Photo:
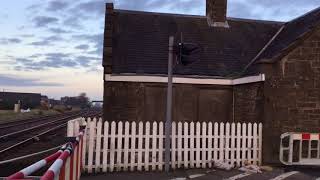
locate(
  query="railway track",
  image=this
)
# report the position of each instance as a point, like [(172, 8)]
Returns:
[(7, 127), (22, 138)]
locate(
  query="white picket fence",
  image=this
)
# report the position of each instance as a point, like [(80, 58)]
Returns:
[(125, 146)]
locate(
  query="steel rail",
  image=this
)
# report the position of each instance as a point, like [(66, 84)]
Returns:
[(33, 137), (29, 155), (31, 120), (36, 127)]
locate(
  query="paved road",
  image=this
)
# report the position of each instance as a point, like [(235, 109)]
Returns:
[(212, 174)]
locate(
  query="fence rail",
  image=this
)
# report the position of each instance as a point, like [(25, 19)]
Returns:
[(130, 146)]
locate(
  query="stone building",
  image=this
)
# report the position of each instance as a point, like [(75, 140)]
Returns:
[(248, 70)]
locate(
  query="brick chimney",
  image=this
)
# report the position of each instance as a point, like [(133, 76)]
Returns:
[(217, 13)]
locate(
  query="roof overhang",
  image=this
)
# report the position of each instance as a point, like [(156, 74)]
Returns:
[(184, 80)]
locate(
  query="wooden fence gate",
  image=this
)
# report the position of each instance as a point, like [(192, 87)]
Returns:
[(130, 146)]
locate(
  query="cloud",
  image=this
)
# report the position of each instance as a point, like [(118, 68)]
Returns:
[(44, 21), (47, 41), (23, 82), (38, 62), (96, 7), (59, 30), (41, 43), (271, 9), (49, 60), (10, 41), (57, 5), (95, 39), (27, 35), (73, 22), (82, 47)]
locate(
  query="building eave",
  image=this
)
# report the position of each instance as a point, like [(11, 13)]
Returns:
[(183, 80)]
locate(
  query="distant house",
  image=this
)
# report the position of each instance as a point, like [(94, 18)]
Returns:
[(248, 70), (27, 100)]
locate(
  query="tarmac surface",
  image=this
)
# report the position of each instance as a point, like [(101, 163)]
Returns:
[(292, 173)]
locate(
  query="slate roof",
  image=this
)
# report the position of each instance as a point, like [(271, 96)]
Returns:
[(291, 32), (140, 42)]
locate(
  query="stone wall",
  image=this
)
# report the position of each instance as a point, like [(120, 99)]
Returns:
[(248, 102), (292, 95), (147, 102)]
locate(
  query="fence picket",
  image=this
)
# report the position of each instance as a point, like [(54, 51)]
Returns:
[(244, 143), (238, 154), (185, 145), (179, 139), (91, 145), (192, 147), (198, 148), (233, 132), (221, 139), (105, 146), (147, 147), (70, 130), (227, 143), (192, 144), (210, 149), (76, 127), (173, 146), (140, 143), (84, 148), (249, 143), (112, 145), (204, 145), (161, 151), (126, 146), (133, 146), (119, 146), (154, 145), (215, 142), (98, 145), (260, 144), (255, 135)]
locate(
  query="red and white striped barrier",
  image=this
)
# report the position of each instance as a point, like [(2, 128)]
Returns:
[(66, 166), (306, 136), (36, 166), (300, 149)]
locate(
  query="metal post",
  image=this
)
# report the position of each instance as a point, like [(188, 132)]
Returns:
[(169, 106)]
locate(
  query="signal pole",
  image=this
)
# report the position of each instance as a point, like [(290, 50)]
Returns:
[(168, 123)]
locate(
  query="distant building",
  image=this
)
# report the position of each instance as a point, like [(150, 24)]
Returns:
[(54, 102), (27, 100)]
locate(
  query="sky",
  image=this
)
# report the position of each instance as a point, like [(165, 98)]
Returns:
[(54, 47)]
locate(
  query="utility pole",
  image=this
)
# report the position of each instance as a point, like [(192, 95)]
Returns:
[(168, 123)]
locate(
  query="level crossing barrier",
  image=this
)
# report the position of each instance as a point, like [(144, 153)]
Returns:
[(67, 162)]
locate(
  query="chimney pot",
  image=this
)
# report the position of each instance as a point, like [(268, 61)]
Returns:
[(216, 11)]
